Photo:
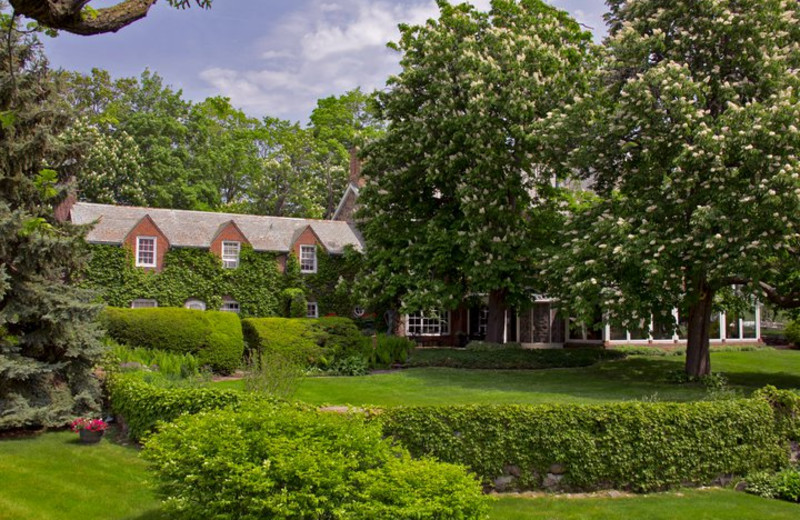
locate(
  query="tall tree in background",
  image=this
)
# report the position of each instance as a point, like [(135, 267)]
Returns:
[(692, 144), (459, 194), (48, 339)]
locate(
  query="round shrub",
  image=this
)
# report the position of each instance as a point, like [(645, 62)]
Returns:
[(214, 337), (282, 462), (792, 333)]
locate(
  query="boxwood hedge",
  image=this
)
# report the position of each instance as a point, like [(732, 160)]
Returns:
[(510, 358), (214, 337), (636, 446)]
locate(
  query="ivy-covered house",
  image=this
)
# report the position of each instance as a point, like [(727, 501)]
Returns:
[(148, 257)]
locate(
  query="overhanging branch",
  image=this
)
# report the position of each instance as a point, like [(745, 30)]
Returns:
[(785, 301)]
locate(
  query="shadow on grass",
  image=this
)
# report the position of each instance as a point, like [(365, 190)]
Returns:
[(152, 514)]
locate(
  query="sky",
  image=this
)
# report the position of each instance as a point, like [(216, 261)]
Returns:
[(271, 57)]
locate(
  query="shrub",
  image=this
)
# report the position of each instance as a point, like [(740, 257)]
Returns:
[(637, 446), (786, 408), (510, 358), (214, 337), (390, 350), (143, 405), (284, 463), (792, 332), (784, 484), (171, 364), (274, 373), (322, 342), (295, 303), (482, 346)]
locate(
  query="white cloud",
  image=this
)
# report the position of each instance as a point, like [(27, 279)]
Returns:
[(323, 48)]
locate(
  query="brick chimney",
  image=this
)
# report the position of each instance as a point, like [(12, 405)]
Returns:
[(355, 169), (63, 209)]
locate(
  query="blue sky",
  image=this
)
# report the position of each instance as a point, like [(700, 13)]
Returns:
[(271, 57)]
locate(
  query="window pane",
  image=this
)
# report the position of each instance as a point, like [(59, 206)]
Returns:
[(145, 251), (230, 254)]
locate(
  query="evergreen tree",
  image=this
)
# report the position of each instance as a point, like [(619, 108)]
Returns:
[(48, 339)]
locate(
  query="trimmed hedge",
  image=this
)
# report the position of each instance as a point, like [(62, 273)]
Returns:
[(786, 407), (284, 463), (214, 337), (636, 446), (323, 341), (510, 358)]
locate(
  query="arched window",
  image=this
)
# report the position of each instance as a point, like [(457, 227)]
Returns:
[(193, 303)]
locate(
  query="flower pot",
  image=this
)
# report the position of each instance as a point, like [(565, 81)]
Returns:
[(90, 437)]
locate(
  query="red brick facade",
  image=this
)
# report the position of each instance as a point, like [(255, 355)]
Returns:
[(229, 233), (306, 238), (147, 228)]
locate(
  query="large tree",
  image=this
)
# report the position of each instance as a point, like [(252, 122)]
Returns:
[(459, 194), (79, 17), (48, 339), (691, 140)]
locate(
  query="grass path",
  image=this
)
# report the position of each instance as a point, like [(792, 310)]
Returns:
[(52, 477), (632, 378)]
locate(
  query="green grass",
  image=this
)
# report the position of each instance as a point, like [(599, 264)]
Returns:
[(52, 477), (712, 504), (633, 378)]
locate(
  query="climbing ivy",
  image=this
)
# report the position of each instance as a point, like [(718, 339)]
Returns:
[(196, 273)]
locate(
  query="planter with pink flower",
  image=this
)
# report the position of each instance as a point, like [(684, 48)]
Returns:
[(90, 430)]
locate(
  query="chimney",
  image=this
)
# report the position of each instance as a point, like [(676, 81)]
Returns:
[(63, 209), (355, 169)]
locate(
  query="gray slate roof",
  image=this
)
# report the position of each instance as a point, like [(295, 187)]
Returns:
[(185, 228)]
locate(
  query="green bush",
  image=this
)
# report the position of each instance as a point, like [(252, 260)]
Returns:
[(295, 304), (784, 484), (489, 346), (284, 463), (510, 358), (323, 342), (390, 350), (171, 364), (143, 405), (637, 446), (214, 337), (786, 408), (792, 332)]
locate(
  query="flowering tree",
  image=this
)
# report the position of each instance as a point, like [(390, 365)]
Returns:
[(458, 196), (691, 139)]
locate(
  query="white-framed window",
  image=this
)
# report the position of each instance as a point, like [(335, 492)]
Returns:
[(230, 254), (146, 251), (193, 303), (430, 323), (312, 310), (229, 305), (358, 311), (308, 259), (143, 303)]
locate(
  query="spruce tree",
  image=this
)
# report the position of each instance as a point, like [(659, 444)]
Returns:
[(49, 342)]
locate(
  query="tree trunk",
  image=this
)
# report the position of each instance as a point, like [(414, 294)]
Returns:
[(698, 361), (496, 323)]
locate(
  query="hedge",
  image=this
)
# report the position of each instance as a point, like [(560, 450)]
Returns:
[(281, 462), (636, 446), (214, 337), (510, 358), (322, 341), (143, 406)]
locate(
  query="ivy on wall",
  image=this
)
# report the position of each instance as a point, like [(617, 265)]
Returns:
[(198, 274)]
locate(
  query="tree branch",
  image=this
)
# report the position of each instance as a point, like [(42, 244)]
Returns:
[(70, 16), (784, 301)]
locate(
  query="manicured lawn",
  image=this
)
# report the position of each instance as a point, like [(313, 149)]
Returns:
[(716, 504), (632, 378), (52, 477)]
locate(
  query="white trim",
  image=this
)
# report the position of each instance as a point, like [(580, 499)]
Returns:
[(443, 317), (313, 249), (229, 305), (155, 250), (309, 312), (194, 303), (230, 262)]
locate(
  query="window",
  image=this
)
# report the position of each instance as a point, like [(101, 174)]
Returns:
[(230, 306), (198, 305), (431, 323), (312, 311), (143, 304), (230, 254), (358, 311), (145, 251), (308, 259)]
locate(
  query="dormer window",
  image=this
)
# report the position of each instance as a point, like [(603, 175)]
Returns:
[(146, 251), (308, 259), (230, 254)]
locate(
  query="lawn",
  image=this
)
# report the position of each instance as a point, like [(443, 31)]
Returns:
[(633, 378), (52, 477)]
